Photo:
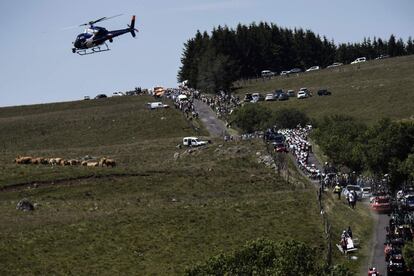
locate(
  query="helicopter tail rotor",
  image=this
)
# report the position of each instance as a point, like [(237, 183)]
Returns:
[(132, 27)]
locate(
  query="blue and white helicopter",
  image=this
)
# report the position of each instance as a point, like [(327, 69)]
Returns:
[(93, 39)]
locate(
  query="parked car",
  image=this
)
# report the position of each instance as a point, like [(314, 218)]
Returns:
[(155, 105), (291, 93), (270, 97), (283, 97), (295, 70), (313, 68), (193, 142), (284, 73), (381, 204), (277, 93), (357, 189), (323, 92), (280, 147), (335, 64), (302, 95), (359, 60), (409, 202), (366, 192), (257, 97), (130, 93), (382, 57), (100, 96), (267, 74), (275, 138), (248, 97)]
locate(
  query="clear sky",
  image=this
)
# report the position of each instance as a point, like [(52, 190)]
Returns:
[(37, 65)]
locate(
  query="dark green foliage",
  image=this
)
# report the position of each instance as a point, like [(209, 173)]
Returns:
[(214, 61), (214, 72), (384, 148), (252, 117), (289, 118), (263, 257), (408, 254), (387, 145), (338, 136)]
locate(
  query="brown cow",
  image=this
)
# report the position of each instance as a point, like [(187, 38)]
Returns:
[(36, 161), (23, 160), (74, 162), (44, 161), (110, 163)]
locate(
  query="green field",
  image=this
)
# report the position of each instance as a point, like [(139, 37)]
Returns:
[(367, 91), (152, 214)]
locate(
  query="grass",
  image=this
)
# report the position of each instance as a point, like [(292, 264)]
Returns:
[(152, 214), (368, 91)]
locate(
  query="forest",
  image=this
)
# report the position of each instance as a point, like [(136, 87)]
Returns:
[(212, 62)]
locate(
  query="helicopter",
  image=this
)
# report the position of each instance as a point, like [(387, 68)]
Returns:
[(93, 39)]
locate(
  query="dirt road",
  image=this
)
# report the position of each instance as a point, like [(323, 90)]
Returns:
[(215, 126)]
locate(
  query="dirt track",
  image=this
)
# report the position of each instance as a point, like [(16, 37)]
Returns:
[(215, 126)]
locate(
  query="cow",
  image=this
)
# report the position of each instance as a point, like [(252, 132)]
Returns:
[(74, 162), (105, 162), (92, 164), (23, 160), (110, 163)]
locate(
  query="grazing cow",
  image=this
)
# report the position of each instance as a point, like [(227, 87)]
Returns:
[(36, 161), (102, 162), (52, 161), (74, 162), (110, 163), (105, 162), (92, 164), (65, 162), (44, 161), (59, 161), (84, 163), (23, 160)]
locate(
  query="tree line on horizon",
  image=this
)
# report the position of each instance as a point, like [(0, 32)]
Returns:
[(212, 62)]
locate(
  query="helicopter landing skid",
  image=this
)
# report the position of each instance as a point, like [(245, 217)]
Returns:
[(93, 50)]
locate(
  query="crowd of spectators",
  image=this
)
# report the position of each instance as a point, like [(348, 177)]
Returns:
[(223, 104), (297, 141)]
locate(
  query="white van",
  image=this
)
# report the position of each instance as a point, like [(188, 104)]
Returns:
[(267, 74), (358, 60), (193, 142), (155, 105)]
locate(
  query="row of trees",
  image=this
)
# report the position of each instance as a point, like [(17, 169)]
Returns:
[(383, 148), (253, 117), (212, 62)]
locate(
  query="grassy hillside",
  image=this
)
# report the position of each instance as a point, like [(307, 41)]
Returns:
[(368, 91), (153, 214)]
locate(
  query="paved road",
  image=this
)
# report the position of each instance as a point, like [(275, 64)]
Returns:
[(377, 258), (215, 126)]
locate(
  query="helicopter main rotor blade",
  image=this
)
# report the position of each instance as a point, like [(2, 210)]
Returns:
[(90, 23)]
